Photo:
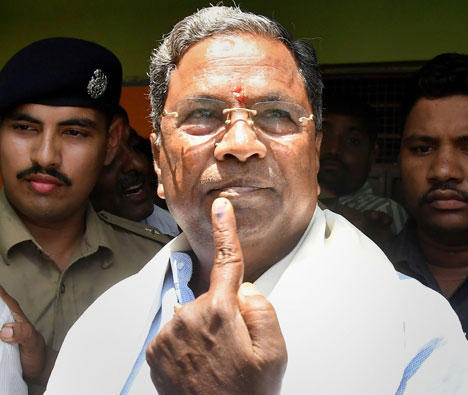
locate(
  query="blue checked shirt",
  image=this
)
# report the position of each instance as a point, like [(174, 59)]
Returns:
[(176, 279)]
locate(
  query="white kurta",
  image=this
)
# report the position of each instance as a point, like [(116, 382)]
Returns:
[(351, 324), (11, 380)]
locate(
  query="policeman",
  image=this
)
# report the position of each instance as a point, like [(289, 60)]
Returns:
[(57, 102)]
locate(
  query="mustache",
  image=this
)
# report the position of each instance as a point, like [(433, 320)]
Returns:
[(131, 179), (37, 169), (333, 157), (445, 186), (269, 177)]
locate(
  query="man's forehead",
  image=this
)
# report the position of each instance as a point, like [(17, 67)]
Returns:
[(439, 116), (243, 58), (237, 50), (247, 46), (45, 113)]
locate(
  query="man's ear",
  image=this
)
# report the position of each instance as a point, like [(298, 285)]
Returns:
[(114, 135), (374, 153), (156, 148), (318, 144)]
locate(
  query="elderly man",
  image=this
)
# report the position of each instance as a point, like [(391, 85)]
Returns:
[(433, 247), (57, 102), (236, 105), (126, 185)]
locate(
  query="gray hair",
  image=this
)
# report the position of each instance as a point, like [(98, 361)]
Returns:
[(217, 20)]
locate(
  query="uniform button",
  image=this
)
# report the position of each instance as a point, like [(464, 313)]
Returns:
[(62, 288), (180, 265)]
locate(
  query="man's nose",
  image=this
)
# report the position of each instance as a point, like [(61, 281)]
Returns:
[(134, 160), (331, 145), (240, 141), (446, 166), (46, 150)]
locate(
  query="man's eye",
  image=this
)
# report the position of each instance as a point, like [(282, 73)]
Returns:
[(75, 133), (23, 127), (202, 121), (420, 149), (353, 141), (275, 113), (202, 113)]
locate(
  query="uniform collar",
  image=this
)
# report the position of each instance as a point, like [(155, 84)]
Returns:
[(94, 237), (14, 231)]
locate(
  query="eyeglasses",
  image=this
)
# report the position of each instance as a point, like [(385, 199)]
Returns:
[(199, 116)]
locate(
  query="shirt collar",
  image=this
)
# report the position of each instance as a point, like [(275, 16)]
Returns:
[(95, 235), (14, 231), (181, 264), (181, 268)]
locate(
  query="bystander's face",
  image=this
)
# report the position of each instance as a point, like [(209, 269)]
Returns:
[(269, 178), (124, 187), (346, 155), (434, 164), (50, 159)]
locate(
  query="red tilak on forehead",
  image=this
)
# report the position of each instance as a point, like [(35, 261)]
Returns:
[(239, 94)]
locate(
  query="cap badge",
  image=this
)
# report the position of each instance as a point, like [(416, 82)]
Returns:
[(97, 85)]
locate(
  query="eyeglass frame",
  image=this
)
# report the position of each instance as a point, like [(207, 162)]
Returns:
[(228, 111)]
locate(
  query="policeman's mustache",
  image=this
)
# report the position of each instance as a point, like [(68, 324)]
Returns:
[(131, 179), (37, 169), (444, 186)]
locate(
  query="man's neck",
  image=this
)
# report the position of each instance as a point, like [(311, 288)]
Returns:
[(259, 256), (59, 239), (448, 263)]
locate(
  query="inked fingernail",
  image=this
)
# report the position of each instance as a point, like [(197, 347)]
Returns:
[(7, 332), (220, 207)]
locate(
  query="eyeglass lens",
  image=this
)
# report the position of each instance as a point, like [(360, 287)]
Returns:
[(200, 116)]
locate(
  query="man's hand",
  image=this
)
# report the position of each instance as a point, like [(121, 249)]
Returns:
[(375, 224), (227, 341), (31, 343)]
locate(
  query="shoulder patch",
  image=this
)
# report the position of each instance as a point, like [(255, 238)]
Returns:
[(148, 231)]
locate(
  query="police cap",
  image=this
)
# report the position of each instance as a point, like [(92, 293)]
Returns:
[(62, 72)]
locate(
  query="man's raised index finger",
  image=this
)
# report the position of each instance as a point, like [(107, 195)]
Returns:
[(228, 269)]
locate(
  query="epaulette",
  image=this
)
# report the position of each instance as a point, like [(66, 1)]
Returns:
[(148, 231)]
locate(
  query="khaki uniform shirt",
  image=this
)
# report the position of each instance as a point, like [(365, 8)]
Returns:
[(112, 249)]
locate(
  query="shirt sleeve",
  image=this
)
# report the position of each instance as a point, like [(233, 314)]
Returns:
[(11, 380), (436, 345)]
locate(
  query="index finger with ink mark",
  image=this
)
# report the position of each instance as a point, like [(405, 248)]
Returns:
[(228, 269)]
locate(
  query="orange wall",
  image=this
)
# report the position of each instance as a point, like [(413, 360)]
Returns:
[(134, 100)]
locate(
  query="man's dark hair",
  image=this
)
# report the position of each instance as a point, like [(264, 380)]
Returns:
[(356, 108), (219, 20), (445, 75), (144, 145)]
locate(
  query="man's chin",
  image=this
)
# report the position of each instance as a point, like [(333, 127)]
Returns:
[(136, 212), (451, 230), (331, 181)]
